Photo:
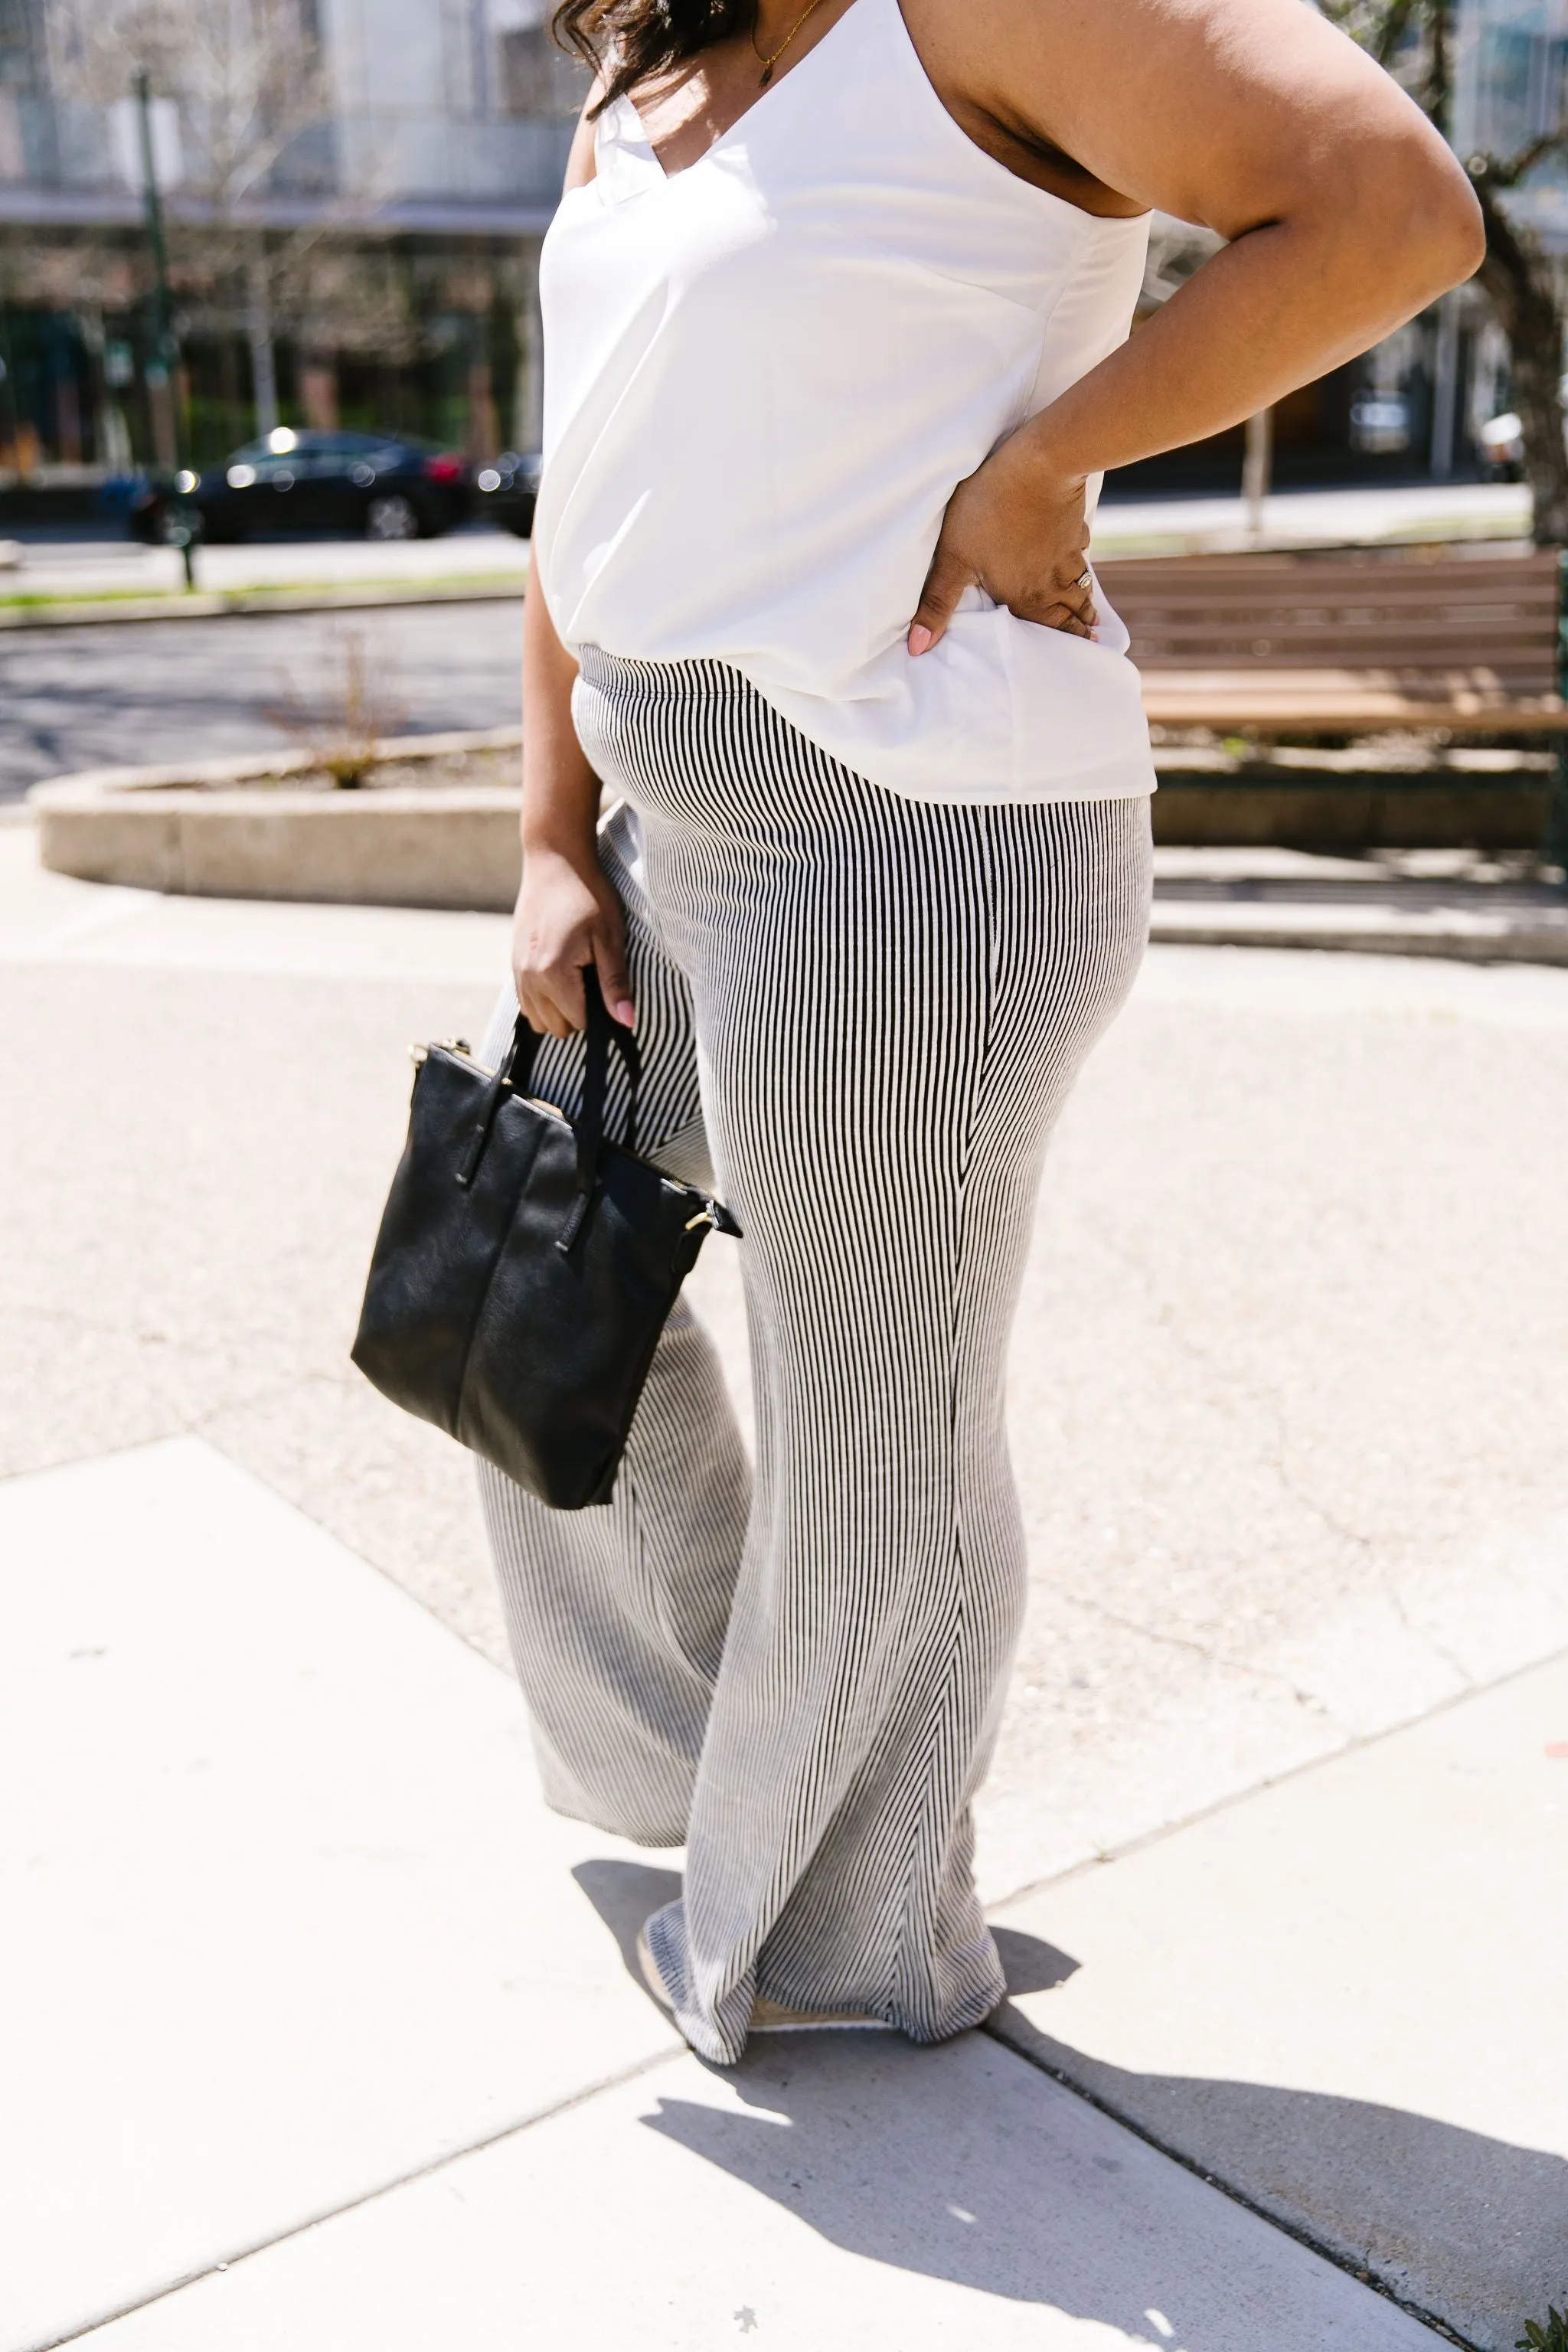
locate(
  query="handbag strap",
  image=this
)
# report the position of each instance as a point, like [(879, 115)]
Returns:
[(516, 1067), (590, 1124)]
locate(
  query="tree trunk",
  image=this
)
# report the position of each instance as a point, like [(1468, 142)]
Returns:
[(319, 390), (1521, 284), (263, 352)]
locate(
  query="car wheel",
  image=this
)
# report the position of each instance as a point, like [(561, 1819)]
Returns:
[(392, 516)]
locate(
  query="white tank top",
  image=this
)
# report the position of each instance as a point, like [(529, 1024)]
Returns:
[(764, 376)]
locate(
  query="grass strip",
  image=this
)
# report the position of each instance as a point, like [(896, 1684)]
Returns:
[(175, 597)]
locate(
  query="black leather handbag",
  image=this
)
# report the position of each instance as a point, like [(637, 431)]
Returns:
[(525, 1265)]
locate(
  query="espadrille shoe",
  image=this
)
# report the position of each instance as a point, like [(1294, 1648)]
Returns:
[(767, 2016), (651, 1975)]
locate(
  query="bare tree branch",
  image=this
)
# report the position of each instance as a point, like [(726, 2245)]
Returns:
[(1396, 26), (245, 79), (1411, 39), (1493, 173)]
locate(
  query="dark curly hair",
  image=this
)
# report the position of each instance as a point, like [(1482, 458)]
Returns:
[(627, 41)]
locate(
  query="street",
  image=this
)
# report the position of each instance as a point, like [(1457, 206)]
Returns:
[(137, 694)]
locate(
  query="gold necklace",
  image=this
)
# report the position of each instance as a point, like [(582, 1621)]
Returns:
[(770, 62)]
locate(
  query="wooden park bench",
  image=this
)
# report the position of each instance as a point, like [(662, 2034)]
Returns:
[(1346, 642)]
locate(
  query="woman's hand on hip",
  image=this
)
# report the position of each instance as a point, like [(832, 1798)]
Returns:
[(568, 916), (1019, 531)]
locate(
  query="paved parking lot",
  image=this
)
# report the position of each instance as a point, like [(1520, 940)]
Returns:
[(137, 694)]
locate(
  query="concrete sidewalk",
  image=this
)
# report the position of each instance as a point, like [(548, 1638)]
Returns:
[(1453, 905), (1369, 516), (1286, 1413), (1344, 1997), (292, 1928), (106, 577)]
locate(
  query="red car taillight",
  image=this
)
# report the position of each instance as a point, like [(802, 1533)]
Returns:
[(443, 470)]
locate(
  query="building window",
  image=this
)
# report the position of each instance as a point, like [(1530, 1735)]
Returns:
[(16, 44), (537, 76)]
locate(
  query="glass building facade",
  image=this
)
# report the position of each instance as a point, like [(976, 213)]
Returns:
[(353, 192)]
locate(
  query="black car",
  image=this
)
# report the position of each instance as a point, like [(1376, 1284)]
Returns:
[(375, 483), (507, 491)]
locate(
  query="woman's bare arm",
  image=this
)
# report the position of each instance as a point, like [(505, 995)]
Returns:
[(1345, 210), (567, 914)]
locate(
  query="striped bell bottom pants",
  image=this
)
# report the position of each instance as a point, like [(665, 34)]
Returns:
[(859, 1017)]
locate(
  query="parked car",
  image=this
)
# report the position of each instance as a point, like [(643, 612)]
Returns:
[(385, 486), (506, 491), (1381, 424)]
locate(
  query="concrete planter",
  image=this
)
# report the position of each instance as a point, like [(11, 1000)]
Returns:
[(238, 829), (1347, 802)]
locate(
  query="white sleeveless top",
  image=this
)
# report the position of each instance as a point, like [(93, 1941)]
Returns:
[(765, 375)]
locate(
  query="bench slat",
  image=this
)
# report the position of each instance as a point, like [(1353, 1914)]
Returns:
[(1339, 705), (1534, 631), (1364, 565), (1506, 665), (1445, 644), (1515, 586), (1327, 588), (1344, 643)]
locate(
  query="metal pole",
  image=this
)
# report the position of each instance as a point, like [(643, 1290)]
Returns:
[(183, 535), (1445, 388), (168, 351), (529, 425), (1257, 466), (263, 352)]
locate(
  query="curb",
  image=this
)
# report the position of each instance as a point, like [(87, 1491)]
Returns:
[(219, 605), (1508, 935)]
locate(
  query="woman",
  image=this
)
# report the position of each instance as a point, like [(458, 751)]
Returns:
[(836, 309)]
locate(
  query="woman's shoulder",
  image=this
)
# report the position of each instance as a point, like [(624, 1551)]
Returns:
[(582, 157)]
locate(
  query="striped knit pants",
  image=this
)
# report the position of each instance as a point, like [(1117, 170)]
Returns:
[(859, 1017)]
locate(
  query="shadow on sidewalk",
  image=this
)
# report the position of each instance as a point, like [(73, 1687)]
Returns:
[(883, 2149), (624, 1894), (1470, 2228)]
